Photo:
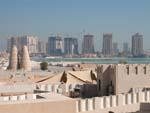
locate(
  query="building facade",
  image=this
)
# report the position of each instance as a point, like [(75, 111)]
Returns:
[(13, 41), (120, 78), (41, 47), (55, 45), (30, 41), (70, 46), (115, 48), (107, 44), (126, 47), (137, 45), (88, 44)]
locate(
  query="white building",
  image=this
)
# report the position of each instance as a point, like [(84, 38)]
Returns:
[(137, 44), (107, 44), (30, 41)]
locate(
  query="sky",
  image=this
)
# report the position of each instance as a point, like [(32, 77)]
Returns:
[(74, 18)]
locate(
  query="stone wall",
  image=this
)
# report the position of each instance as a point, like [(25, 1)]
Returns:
[(130, 102), (125, 77), (29, 104), (18, 97), (57, 88), (132, 76)]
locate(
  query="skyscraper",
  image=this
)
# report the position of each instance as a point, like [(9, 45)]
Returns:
[(70, 45), (137, 45), (88, 44), (55, 45), (41, 47), (107, 44), (13, 41), (125, 47), (30, 41), (115, 48)]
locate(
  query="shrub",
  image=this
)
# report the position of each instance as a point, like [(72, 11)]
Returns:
[(44, 65)]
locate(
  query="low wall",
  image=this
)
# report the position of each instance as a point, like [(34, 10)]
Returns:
[(17, 88), (18, 97), (62, 106), (116, 101), (57, 88)]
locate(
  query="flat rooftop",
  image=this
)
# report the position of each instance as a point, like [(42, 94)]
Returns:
[(48, 97)]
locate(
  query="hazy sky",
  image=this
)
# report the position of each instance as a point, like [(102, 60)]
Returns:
[(72, 17)]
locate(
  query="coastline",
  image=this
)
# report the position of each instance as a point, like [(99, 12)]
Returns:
[(109, 60)]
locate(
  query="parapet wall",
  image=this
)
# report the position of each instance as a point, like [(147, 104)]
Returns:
[(134, 69), (129, 69), (132, 76), (18, 97), (57, 88), (17, 88), (125, 77), (115, 101)]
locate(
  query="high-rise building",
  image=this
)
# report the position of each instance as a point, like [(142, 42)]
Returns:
[(115, 48), (41, 47), (107, 44), (30, 41), (125, 47), (137, 45), (47, 48), (55, 45), (13, 41), (88, 44), (70, 45)]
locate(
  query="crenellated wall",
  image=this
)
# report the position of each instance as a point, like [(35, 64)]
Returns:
[(124, 78), (18, 97), (132, 76), (37, 103), (57, 88), (115, 103)]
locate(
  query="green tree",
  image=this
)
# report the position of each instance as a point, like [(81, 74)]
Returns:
[(44, 65)]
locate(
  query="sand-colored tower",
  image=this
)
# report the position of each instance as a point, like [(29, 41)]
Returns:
[(13, 60), (25, 60)]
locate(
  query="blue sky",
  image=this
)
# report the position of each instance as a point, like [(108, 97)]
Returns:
[(71, 17)]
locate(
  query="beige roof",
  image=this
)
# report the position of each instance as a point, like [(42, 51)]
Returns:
[(73, 77)]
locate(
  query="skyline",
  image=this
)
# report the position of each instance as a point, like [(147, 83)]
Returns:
[(43, 18), (57, 45)]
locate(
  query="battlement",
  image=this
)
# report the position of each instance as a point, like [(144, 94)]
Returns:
[(114, 101), (123, 77), (18, 97), (57, 88), (128, 69), (133, 69)]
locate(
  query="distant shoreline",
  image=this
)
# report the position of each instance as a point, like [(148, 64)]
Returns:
[(114, 60)]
